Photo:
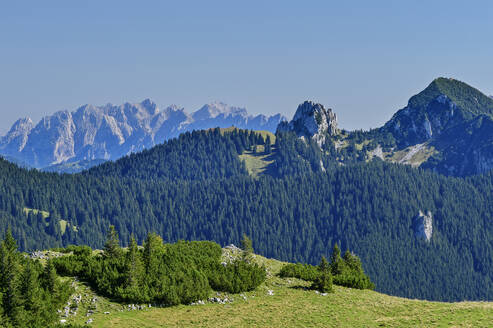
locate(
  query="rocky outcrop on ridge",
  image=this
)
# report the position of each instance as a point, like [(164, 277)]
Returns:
[(312, 121)]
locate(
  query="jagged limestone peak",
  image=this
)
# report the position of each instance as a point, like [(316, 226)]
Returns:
[(312, 120), (17, 136)]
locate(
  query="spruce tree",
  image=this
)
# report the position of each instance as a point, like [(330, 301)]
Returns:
[(324, 265), (49, 278), (112, 247), (323, 282), (10, 281), (267, 145), (133, 272), (247, 248), (152, 249), (337, 265), (39, 312)]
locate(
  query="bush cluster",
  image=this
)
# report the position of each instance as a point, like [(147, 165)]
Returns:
[(169, 274), (344, 271)]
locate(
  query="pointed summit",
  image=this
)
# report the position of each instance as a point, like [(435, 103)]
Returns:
[(469, 100), (215, 109), (15, 140), (150, 106), (443, 104), (21, 125), (312, 120)]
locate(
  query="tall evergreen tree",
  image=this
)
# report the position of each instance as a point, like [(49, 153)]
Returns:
[(134, 272), (267, 145), (323, 282), (10, 281), (40, 312), (247, 248), (112, 247), (49, 277), (152, 248), (336, 263)]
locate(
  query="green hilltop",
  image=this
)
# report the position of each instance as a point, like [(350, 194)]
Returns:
[(469, 99)]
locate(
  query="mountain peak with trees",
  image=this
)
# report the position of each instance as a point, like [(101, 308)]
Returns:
[(448, 127)]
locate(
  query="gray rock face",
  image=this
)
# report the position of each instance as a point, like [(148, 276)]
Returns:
[(313, 121), (417, 125), (108, 132), (423, 226), (451, 119), (15, 140)]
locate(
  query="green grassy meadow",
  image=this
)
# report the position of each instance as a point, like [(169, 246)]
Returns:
[(291, 305), (256, 163)]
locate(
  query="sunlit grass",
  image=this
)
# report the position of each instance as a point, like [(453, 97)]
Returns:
[(293, 306)]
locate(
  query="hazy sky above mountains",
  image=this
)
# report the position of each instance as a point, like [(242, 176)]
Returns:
[(364, 59)]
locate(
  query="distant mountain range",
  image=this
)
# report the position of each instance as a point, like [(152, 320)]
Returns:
[(448, 127), (72, 141)]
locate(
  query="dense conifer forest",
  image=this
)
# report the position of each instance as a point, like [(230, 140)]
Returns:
[(306, 204), (30, 293)]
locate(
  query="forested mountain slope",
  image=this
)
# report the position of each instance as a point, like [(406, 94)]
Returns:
[(192, 156), (305, 205)]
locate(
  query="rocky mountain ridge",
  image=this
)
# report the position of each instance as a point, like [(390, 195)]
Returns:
[(95, 133), (448, 127), (313, 121), (452, 118)]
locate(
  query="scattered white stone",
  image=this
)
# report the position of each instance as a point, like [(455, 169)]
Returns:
[(270, 292), (232, 247)]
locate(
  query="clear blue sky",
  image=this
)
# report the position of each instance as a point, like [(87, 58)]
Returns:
[(364, 59)]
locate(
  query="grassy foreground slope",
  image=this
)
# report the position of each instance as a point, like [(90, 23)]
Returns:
[(293, 306)]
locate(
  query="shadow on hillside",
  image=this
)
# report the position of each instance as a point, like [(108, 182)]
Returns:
[(300, 287), (270, 168)]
